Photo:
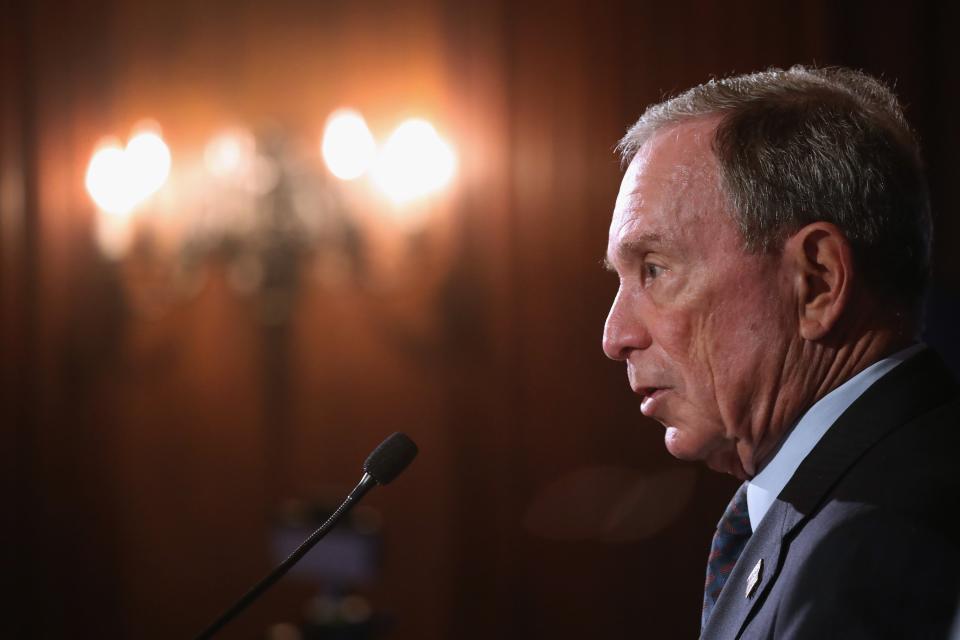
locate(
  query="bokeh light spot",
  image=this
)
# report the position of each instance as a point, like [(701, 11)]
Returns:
[(348, 147), (414, 162)]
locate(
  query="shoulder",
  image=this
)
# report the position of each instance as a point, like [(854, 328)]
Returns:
[(880, 556), (869, 545), (912, 475), (869, 572)]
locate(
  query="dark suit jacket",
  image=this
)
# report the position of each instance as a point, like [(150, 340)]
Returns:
[(864, 540)]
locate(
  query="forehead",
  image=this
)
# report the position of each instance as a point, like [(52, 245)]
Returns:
[(671, 186)]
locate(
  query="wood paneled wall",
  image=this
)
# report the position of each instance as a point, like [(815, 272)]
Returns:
[(146, 457)]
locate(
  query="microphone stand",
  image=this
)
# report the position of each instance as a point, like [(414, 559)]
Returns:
[(366, 483)]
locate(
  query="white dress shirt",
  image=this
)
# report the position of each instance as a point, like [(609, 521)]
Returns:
[(767, 485)]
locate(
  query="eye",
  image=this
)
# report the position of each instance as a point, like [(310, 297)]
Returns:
[(652, 271)]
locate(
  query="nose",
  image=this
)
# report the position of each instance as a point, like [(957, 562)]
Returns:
[(624, 331)]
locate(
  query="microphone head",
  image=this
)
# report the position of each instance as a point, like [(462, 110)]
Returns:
[(390, 458)]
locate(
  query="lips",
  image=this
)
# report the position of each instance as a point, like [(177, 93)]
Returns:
[(651, 399), (648, 391)]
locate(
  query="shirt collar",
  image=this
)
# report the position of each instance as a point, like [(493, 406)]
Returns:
[(764, 488)]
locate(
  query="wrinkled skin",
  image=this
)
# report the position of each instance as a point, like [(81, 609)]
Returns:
[(710, 326)]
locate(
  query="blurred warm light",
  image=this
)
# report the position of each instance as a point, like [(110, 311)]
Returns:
[(414, 162), (241, 188), (106, 182), (230, 154), (119, 179), (348, 147), (114, 235), (148, 159)]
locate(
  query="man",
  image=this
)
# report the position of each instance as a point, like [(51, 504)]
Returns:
[(771, 237)]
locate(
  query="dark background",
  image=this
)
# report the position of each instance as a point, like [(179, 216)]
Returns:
[(145, 457)]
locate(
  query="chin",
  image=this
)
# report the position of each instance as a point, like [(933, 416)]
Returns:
[(719, 456), (681, 445)]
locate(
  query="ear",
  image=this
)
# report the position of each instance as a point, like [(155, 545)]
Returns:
[(821, 270)]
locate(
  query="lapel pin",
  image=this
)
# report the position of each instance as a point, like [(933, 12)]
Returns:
[(754, 579)]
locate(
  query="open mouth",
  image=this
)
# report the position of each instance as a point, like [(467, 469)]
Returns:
[(650, 398)]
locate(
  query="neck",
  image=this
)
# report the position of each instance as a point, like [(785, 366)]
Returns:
[(811, 371)]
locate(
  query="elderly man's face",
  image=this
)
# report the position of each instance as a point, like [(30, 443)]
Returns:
[(702, 325)]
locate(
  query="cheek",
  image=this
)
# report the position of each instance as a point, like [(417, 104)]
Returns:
[(743, 335), (678, 338), (689, 341), (723, 337)]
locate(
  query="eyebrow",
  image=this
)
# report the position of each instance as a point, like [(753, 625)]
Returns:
[(633, 248)]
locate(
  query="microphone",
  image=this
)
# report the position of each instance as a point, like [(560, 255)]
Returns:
[(383, 464)]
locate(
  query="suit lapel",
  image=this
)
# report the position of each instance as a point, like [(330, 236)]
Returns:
[(752, 576), (912, 388)]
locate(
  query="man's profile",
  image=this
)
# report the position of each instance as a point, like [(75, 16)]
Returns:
[(772, 241)]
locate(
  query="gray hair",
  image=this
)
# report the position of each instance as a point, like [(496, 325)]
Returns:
[(806, 145)]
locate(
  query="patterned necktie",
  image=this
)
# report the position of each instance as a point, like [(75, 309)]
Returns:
[(731, 537)]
